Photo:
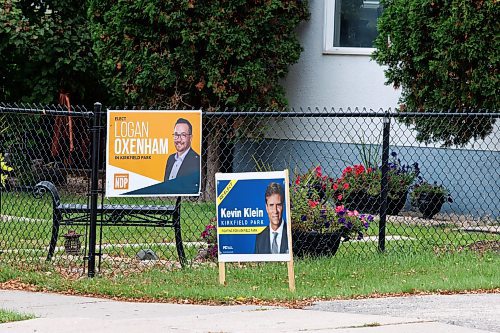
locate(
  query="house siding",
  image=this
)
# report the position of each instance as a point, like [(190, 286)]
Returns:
[(469, 175), (342, 82)]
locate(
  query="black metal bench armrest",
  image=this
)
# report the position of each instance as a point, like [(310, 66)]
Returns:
[(42, 187)]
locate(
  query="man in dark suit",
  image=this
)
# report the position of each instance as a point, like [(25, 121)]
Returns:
[(274, 238), (183, 167)]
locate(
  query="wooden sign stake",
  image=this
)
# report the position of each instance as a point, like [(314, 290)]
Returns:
[(291, 273), (222, 273)]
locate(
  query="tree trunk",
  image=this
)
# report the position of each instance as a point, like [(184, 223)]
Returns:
[(63, 132)]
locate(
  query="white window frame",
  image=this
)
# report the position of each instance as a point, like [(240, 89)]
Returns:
[(332, 20)]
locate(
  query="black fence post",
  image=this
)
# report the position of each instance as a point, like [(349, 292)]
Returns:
[(94, 188), (384, 182)]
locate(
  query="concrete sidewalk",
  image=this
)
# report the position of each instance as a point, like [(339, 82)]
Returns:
[(71, 314)]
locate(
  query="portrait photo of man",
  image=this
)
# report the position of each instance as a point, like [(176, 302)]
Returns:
[(183, 167), (274, 238)]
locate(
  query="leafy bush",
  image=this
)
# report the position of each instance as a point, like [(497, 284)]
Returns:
[(444, 55), (196, 53), (46, 47)]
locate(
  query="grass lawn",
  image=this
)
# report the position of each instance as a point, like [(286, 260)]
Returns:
[(8, 316), (341, 276), (33, 237), (433, 258), (30, 221)]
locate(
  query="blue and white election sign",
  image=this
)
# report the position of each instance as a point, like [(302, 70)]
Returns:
[(253, 218)]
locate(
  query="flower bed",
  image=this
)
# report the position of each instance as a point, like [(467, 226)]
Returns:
[(317, 223), (359, 187)]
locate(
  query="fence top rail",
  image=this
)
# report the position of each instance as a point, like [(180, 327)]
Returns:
[(47, 110), (292, 114), (80, 111)]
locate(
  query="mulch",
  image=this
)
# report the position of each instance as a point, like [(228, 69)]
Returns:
[(485, 245)]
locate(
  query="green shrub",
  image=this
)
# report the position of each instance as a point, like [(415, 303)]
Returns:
[(45, 47), (196, 53), (444, 56)]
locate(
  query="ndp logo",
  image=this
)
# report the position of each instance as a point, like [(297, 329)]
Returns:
[(121, 181)]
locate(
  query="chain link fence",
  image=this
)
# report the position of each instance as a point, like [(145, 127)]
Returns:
[(350, 171)]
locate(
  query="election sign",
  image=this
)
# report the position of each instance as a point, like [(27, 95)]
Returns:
[(153, 153), (253, 218)]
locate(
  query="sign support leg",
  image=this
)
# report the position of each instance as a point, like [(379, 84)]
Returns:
[(291, 275), (222, 273)]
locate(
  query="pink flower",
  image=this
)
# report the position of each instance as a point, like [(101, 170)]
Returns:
[(359, 169), (339, 209), (312, 203), (335, 187), (318, 171), (297, 181), (346, 186), (352, 213), (340, 197), (347, 170)]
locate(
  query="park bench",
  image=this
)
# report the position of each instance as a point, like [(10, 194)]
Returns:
[(111, 215)]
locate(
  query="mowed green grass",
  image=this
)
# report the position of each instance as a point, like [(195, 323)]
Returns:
[(432, 259), (346, 275)]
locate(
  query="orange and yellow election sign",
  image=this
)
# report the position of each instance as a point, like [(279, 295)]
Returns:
[(139, 144)]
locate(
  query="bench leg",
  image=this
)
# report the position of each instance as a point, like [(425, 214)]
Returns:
[(178, 244), (56, 221), (177, 230)]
